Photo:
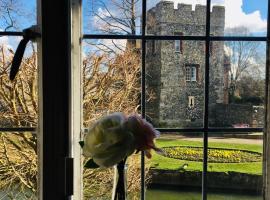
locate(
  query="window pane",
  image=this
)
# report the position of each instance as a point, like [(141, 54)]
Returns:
[(178, 173), (168, 86), (240, 18), (18, 98), (235, 166), (16, 15), (237, 84), (168, 17), (111, 83), (18, 166), (120, 17)]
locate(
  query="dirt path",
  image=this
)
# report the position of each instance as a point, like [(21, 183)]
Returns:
[(216, 139)]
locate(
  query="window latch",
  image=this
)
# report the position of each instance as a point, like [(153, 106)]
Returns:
[(28, 34)]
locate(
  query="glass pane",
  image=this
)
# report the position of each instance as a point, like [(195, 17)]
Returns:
[(177, 174), (111, 78), (18, 166), (171, 84), (173, 18), (16, 15), (237, 84), (239, 18), (118, 17), (235, 166), (18, 98)]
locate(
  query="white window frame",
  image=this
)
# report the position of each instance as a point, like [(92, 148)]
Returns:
[(193, 76), (177, 44), (191, 73)]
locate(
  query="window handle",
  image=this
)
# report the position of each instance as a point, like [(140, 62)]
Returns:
[(28, 34)]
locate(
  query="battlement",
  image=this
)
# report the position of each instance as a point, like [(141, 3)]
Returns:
[(166, 12)]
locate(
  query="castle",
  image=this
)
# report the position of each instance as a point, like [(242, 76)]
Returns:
[(175, 69)]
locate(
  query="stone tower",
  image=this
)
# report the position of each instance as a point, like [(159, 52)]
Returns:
[(175, 69)]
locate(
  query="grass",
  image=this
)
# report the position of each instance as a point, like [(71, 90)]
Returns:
[(192, 195), (161, 162)]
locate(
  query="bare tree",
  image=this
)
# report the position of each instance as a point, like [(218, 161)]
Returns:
[(18, 108), (115, 17), (110, 84), (246, 58)]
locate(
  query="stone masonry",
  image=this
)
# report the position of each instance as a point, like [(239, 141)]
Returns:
[(179, 102)]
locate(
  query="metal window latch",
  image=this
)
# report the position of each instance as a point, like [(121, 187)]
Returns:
[(28, 34)]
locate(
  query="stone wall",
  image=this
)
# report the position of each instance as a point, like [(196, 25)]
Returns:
[(215, 180), (165, 68), (230, 115)]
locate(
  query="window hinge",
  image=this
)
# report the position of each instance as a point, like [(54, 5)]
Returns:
[(69, 176)]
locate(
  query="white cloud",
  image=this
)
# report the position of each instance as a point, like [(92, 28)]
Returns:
[(6, 43), (234, 14), (3, 40), (107, 46), (236, 17)]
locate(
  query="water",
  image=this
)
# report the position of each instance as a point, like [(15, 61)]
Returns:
[(162, 194)]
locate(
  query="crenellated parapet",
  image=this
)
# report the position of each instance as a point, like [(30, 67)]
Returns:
[(165, 12)]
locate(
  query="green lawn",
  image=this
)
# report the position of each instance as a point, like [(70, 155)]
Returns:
[(154, 194), (161, 162)]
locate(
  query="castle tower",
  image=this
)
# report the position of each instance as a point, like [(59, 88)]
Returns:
[(175, 69)]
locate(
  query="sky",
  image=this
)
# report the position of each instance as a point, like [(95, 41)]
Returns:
[(249, 13)]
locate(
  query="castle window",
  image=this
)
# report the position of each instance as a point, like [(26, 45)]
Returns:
[(191, 72), (191, 101), (178, 44)]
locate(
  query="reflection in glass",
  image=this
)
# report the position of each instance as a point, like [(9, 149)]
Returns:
[(18, 166), (175, 83), (239, 102)]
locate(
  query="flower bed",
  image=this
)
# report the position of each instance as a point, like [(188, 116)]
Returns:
[(215, 155)]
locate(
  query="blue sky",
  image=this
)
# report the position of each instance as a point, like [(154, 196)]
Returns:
[(250, 6), (247, 10), (250, 13)]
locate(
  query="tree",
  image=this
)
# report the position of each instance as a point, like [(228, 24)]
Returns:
[(110, 84), (251, 90), (18, 108), (117, 17), (246, 58), (13, 15)]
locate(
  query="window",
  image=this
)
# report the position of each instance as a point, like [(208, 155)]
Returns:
[(191, 72), (199, 66), (62, 102), (191, 101), (178, 46)]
